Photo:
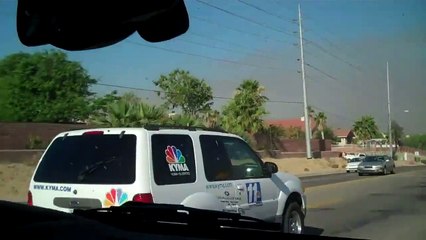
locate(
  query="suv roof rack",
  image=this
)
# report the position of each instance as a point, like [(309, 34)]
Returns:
[(190, 128)]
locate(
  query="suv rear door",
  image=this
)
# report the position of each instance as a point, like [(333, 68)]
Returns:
[(89, 169)]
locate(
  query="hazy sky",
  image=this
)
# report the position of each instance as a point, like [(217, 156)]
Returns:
[(347, 44)]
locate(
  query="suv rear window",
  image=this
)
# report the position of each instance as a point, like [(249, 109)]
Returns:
[(89, 159)]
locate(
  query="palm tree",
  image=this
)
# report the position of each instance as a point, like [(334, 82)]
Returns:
[(211, 118), (128, 111), (366, 128), (245, 111), (321, 121), (120, 113), (185, 120), (150, 114)]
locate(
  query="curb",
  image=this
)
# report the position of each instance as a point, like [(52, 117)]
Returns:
[(318, 174)]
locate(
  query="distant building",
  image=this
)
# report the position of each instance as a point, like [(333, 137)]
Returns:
[(345, 136)]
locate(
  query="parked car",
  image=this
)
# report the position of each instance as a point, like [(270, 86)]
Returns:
[(204, 169), (376, 164), (352, 165), (348, 156)]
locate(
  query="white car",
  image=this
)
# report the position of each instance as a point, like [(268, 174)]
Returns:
[(98, 168), (349, 156), (352, 165)]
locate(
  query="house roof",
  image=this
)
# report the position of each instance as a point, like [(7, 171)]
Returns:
[(291, 122), (342, 132)]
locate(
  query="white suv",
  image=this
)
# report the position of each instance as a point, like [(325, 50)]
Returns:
[(95, 168)]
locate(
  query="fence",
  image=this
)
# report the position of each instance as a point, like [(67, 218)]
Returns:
[(22, 135)]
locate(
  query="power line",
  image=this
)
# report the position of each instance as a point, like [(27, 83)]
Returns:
[(362, 89), (245, 18), (239, 31), (227, 42), (201, 56), (160, 91), (225, 49), (331, 54), (332, 113), (322, 72), (264, 11), (358, 68)]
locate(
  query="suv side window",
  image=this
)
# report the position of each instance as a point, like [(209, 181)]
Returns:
[(173, 159), (229, 158)]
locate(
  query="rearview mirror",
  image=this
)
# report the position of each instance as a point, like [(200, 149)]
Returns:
[(271, 167), (77, 25)]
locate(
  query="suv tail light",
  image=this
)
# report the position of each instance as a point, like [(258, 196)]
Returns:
[(30, 198), (143, 198), (93, 133)]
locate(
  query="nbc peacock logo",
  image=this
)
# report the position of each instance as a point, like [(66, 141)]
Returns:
[(176, 161), (115, 197)]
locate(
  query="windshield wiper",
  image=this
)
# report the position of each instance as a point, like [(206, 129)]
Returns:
[(93, 167)]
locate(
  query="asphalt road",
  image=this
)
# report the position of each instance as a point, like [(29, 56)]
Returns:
[(380, 207), (313, 181)]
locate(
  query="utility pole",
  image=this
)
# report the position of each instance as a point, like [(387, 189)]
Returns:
[(305, 100), (389, 112)]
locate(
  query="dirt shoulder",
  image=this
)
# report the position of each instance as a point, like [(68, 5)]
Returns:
[(14, 181), (303, 166)]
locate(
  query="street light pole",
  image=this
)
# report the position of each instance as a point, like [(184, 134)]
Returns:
[(389, 112), (305, 100)]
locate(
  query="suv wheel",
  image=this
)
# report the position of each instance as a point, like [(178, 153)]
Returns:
[(293, 219), (393, 170)]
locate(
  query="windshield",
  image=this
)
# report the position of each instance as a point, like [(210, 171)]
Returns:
[(103, 159), (372, 159), (354, 160)]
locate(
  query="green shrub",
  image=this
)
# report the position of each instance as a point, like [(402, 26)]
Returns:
[(417, 159), (423, 161), (35, 142)]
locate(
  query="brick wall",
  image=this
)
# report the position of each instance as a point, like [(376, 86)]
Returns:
[(296, 145), (28, 157), (263, 141), (17, 135)]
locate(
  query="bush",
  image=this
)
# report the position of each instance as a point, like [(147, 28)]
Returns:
[(417, 159), (35, 142), (423, 161), (335, 166)]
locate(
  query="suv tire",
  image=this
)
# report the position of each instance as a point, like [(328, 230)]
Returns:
[(293, 219)]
